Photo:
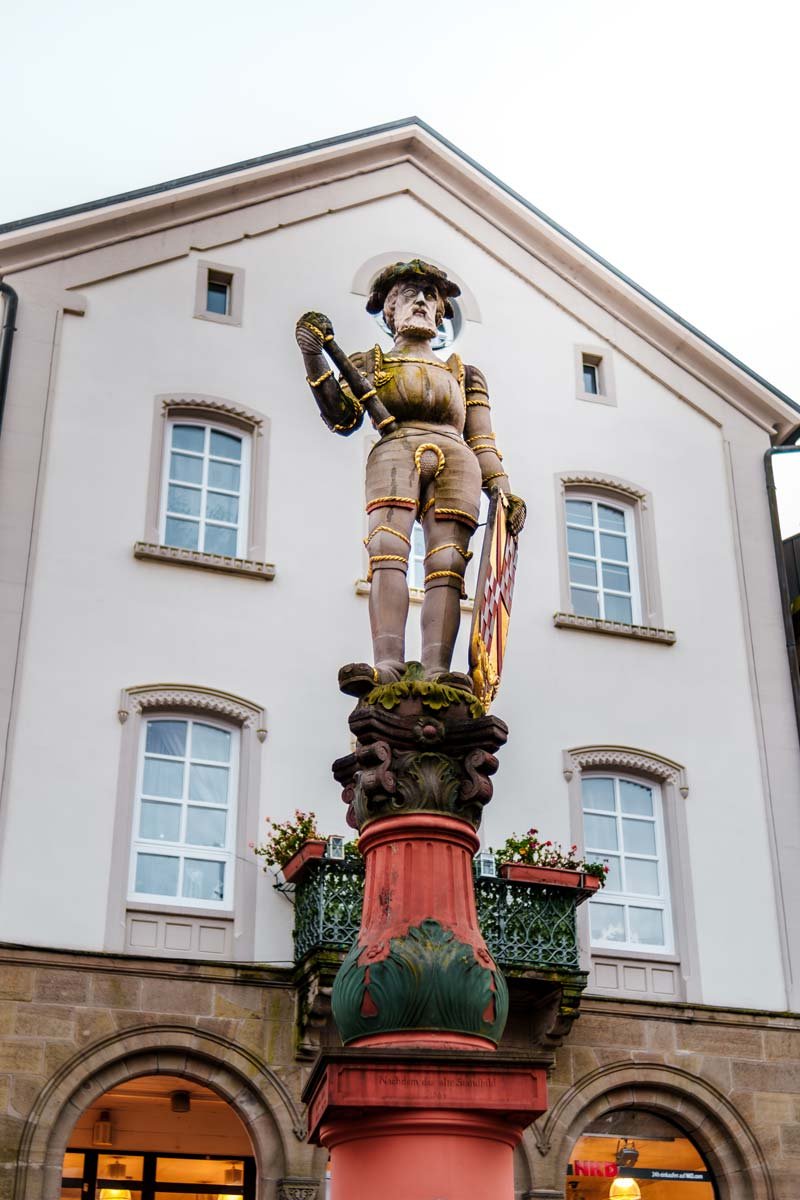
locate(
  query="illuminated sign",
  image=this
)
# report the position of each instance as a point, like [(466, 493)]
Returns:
[(610, 1170)]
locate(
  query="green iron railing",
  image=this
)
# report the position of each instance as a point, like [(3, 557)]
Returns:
[(525, 925)]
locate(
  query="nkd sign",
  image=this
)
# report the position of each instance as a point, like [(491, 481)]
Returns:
[(610, 1170)]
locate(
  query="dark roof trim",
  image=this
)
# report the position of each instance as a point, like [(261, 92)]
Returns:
[(341, 139)]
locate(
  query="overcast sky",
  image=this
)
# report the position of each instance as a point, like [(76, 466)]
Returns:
[(662, 134)]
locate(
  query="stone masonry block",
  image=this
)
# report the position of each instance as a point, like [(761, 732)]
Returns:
[(596, 1030), (61, 987), (116, 991), (766, 1077), (44, 1021), (782, 1044), (234, 1000), (21, 1056), (731, 1041), (790, 1139), (92, 1024), (180, 996), (16, 983), (5, 1091), (24, 1090)]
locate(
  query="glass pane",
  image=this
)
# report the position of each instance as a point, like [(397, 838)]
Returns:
[(614, 547), (590, 378), (579, 512), (188, 437), (580, 541), (217, 298), (222, 508), (131, 1162), (610, 518), (209, 785), (185, 469), (224, 475), (583, 570), (635, 798), (598, 793), (639, 837), (614, 876), (600, 832), (607, 922), (156, 875), (160, 821), (206, 827), (618, 608), (616, 578), (208, 742), (641, 877), (647, 925), (184, 500), (203, 880), (166, 737), (181, 533), (163, 778), (72, 1166), (225, 445), (585, 604), (199, 1170), (220, 540)]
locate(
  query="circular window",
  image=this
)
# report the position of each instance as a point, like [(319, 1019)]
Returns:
[(448, 330)]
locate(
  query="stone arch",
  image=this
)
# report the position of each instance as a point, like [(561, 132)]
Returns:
[(256, 1093), (713, 1123)]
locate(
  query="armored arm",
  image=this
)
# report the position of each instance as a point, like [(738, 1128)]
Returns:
[(480, 438), (339, 409)]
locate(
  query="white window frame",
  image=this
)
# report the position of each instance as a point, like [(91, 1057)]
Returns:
[(182, 849), (214, 272), (627, 899), (632, 564), (243, 523), (416, 558)]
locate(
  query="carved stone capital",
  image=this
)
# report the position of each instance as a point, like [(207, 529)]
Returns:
[(411, 759), (298, 1189)]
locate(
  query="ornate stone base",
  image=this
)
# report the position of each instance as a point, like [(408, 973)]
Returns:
[(412, 1125)]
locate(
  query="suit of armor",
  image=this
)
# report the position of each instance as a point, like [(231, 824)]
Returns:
[(436, 451)]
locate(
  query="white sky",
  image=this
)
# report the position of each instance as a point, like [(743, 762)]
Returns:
[(663, 134)]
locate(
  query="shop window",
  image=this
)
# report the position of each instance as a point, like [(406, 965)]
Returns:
[(630, 1154)]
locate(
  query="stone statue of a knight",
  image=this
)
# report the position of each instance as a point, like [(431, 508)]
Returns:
[(436, 452)]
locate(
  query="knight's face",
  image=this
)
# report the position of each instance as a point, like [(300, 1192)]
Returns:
[(415, 309)]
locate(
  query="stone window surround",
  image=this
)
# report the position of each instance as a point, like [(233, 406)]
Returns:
[(599, 357), (211, 409), (136, 703), (593, 485), (235, 293), (671, 776)]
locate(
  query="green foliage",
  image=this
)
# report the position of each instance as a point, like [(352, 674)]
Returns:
[(434, 696), (530, 850), (285, 838)]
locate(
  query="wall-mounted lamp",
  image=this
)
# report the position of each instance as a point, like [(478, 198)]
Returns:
[(335, 848), (180, 1102), (233, 1178), (101, 1130), (485, 865), (626, 1153)]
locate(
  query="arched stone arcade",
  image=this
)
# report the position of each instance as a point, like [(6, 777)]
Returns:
[(258, 1095)]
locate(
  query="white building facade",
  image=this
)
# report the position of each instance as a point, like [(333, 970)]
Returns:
[(183, 572)]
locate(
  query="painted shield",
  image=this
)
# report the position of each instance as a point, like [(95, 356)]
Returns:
[(493, 595)]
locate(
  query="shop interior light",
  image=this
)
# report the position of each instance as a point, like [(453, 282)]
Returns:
[(233, 1178), (115, 1170), (624, 1189), (485, 865)]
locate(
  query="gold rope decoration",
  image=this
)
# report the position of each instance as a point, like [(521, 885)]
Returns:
[(496, 475), (420, 450), (427, 507), (479, 403), (316, 382), (458, 513), (386, 529), (465, 554), (477, 437), (392, 502)]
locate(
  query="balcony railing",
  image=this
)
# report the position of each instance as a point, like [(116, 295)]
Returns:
[(526, 925)]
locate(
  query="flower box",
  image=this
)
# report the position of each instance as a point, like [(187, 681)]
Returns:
[(296, 869), (552, 876)]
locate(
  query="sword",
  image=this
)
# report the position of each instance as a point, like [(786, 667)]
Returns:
[(359, 385)]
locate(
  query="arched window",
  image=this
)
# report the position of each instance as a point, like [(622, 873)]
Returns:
[(609, 570)]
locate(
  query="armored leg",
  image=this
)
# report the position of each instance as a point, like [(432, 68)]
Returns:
[(388, 545), (446, 561)]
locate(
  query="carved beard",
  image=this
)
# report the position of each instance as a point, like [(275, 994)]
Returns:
[(416, 325)]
